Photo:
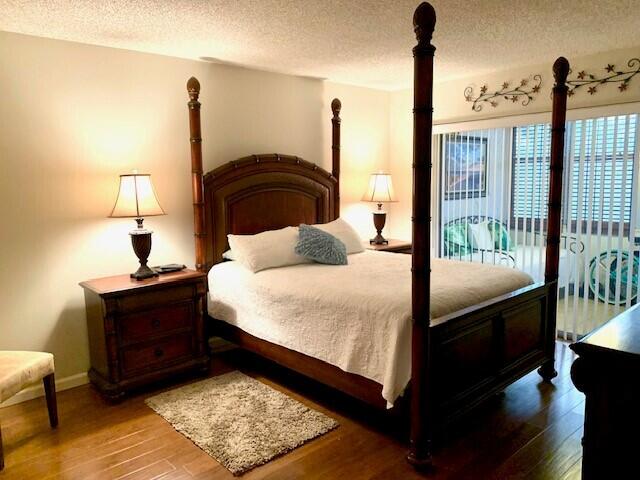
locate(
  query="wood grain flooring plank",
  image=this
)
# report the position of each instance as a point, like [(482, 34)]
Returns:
[(150, 472), (527, 459), (532, 430)]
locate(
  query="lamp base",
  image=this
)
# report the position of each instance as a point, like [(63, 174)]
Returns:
[(143, 273), (141, 241), (379, 219), (379, 240)]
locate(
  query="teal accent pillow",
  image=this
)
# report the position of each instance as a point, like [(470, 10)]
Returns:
[(320, 246), (456, 239), (500, 235)]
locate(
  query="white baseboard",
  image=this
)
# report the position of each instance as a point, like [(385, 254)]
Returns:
[(36, 391)]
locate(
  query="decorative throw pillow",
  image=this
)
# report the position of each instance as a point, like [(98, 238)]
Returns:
[(456, 239), (482, 238), (270, 249), (500, 235), (345, 233), (320, 246)]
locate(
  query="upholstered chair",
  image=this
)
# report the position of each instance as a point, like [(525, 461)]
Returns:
[(20, 369)]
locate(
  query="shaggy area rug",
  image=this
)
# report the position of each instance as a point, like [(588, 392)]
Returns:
[(239, 421)]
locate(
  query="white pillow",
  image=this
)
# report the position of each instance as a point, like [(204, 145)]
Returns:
[(345, 233), (228, 255), (270, 249), (482, 236)]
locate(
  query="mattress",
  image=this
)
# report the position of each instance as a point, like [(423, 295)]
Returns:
[(356, 316)]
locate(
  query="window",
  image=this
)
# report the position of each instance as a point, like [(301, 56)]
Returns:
[(531, 149), (602, 168), (599, 170)]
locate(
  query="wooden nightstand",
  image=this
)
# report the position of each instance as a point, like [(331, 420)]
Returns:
[(144, 331), (396, 246)]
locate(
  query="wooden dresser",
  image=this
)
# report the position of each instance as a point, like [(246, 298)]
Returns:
[(144, 331), (607, 371)]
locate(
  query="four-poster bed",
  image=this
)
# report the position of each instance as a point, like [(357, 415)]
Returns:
[(457, 360)]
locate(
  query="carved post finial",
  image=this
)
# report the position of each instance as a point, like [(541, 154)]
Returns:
[(424, 22), (561, 69), (336, 106), (193, 87)]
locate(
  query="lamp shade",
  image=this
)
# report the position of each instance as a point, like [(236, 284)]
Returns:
[(136, 197), (380, 189)]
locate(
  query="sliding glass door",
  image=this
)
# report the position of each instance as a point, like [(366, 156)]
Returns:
[(494, 185), (601, 214)]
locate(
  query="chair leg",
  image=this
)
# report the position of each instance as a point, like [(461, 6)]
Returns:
[(52, 404), (1, 452)]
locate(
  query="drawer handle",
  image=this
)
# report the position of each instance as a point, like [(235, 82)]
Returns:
[(158, 352), (155, 323)]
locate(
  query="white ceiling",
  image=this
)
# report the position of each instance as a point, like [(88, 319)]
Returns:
[(362, 42)]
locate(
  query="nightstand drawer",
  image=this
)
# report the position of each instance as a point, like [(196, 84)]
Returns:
[(148, 300), (140, 326), (173, 348)]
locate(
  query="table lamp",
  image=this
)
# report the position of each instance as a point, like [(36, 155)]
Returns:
[(137, 199), (380, 191)]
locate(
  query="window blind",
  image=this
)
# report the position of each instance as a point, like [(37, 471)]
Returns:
[(531, 148), (603, 162), (601, 172)]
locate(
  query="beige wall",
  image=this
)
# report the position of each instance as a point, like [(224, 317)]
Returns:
[(73, 117), (450, 107), (365, 148), (400, 161)]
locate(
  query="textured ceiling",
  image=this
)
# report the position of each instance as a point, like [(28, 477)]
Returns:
[(363, 42)]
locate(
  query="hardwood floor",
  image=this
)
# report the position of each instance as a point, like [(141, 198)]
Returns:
[(532, 430)]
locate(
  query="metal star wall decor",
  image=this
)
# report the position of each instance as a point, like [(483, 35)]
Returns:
[(525, 91), (592, 82)]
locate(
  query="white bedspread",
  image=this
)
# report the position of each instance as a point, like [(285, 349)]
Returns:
[(357, 316)]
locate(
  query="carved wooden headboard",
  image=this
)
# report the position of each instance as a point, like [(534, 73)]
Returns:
[(258, 192), (264, 192)]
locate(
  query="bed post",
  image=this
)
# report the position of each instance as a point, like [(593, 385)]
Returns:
[(336, 106), (424, 20), (193, 88), (558, 117)]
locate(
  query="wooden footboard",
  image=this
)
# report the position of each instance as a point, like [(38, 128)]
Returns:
[(478, 351)]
